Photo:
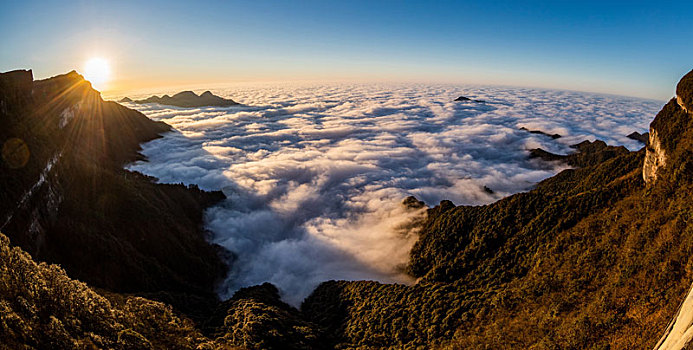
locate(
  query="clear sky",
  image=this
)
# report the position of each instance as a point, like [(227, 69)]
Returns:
[(624, 47)]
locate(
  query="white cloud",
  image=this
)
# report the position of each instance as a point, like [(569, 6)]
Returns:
[(315, 174)]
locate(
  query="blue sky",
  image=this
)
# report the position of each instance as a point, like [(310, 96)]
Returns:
[(629, 48)]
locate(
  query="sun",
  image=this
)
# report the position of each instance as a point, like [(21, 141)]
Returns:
[(98, 72)]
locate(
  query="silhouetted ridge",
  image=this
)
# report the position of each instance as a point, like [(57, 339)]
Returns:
[(187, 99)]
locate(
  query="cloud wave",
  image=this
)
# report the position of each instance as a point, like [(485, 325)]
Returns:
[(315, 174)]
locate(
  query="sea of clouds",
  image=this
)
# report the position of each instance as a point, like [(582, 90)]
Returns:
[(315, 174)]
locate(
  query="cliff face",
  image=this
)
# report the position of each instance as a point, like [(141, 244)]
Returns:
[(67, 199), (669, 130), (677, 121), (655, 157)]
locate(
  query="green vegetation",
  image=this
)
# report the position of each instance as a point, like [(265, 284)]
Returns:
[(256, 318), (40, 307)]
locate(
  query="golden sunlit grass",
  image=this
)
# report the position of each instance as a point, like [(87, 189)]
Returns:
[(98, 71)]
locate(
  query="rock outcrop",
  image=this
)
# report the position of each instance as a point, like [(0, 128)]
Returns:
[(668, 130), (187, 99), (655, 157)]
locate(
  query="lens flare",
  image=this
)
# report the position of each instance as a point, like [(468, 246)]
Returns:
[(98, 71)]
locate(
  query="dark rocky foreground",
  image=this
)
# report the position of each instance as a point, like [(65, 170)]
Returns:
[(598, 256), (187, 99)]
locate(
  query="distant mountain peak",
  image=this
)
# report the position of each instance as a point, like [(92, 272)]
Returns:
[(187, 99)]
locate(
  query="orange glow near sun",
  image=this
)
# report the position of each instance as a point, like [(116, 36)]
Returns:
[(98, 71)]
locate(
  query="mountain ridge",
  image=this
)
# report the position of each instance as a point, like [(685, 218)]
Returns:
[(186, 99), (597, 256)]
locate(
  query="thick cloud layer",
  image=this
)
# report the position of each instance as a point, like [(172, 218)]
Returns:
[(315, 174)]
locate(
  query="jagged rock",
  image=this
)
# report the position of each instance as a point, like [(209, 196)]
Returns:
[(188, 99)]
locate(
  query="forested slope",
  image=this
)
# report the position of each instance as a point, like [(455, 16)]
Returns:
[(593, 257)]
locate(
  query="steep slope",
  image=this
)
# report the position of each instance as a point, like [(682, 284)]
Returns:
[(591, 258), (66, 198)]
